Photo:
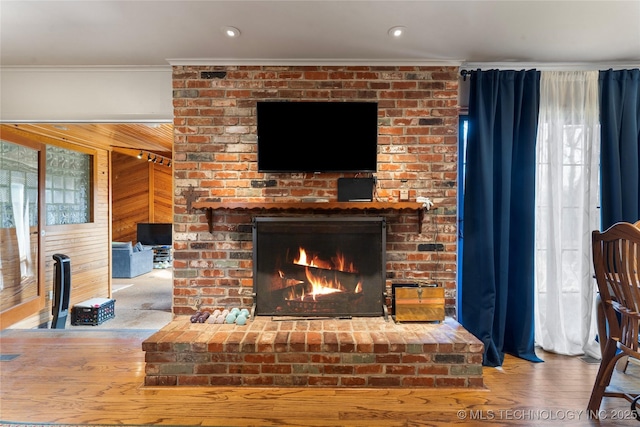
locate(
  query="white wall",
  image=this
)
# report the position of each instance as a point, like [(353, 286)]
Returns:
[(86, 94)]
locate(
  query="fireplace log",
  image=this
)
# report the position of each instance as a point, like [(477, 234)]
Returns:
[(278, 282), (324, 304), (349, 281)]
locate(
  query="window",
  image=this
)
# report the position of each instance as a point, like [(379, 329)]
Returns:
[(463, 131), (18, 179), (67, 186)]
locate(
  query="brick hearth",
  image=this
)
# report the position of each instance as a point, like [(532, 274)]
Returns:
[(359, 352)]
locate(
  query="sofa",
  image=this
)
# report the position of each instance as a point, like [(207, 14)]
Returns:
[(129, 260)]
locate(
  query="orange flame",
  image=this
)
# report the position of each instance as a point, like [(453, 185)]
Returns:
[(341, 264), (322, 285), (338, 262), (358, 288)]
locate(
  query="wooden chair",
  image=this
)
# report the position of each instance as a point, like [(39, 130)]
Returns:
[(601, 320), (616, 255)]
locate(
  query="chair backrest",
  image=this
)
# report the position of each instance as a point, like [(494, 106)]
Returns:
[(616, 260)]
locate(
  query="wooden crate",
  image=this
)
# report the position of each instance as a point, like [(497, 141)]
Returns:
[(419, 304)]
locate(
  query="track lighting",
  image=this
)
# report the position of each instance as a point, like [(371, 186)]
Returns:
[(155, 159)]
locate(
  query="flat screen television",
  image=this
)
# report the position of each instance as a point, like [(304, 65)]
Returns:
[(155, 234), (314, 136)]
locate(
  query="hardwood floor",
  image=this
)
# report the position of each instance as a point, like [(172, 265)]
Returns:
[(95, 377)]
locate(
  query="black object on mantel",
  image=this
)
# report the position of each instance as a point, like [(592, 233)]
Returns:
[(355, 189)]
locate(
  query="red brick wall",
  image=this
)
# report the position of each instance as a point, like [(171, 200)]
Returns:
[(215, 158)]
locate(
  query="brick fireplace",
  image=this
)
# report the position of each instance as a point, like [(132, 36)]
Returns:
[(215, 160), (214, 261)]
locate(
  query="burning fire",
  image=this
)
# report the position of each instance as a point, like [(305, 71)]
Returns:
[(338, 262), (323, 283)]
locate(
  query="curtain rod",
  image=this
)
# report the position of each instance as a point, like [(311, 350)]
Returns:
[(464, 74), (468, 68)]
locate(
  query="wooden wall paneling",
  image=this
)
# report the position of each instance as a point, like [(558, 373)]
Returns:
[(109, 219), (130, 200), (162, 194), (142, 192), (151, 191), (87, 245)]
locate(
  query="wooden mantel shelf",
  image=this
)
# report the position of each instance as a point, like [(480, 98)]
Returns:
[(316, 206)]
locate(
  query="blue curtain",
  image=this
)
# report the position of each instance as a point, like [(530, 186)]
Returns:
[(497, 292), (620, 146)]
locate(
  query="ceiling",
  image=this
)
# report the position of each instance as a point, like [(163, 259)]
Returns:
[(97, 32), (163, 33)]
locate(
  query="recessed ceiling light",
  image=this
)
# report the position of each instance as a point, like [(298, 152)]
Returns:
[(231, 32), (396, 32)]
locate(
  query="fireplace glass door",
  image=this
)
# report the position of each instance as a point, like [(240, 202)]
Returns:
[(310, 266)]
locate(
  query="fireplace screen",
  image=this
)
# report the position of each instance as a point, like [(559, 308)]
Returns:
[(319, 266)]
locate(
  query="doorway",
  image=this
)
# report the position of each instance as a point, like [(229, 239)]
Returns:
[(21, 281)]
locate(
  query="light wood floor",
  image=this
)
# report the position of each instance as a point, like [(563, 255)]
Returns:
[(95, 377)]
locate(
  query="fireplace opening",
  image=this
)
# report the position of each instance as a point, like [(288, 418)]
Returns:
[(311, 266)]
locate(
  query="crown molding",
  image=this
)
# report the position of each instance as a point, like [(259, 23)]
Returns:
[(151, 122), (84, 68), (550, 66), (311, 62)]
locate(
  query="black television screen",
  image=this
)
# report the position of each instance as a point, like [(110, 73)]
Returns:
[(312, 136), (155, 234)]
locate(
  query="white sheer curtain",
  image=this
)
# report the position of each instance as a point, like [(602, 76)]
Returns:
[(567, 200)]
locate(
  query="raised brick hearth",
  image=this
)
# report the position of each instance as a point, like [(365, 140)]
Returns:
[(359, 352)]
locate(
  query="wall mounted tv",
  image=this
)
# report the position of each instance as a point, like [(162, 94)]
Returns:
[(155, 234), (312, 136)]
